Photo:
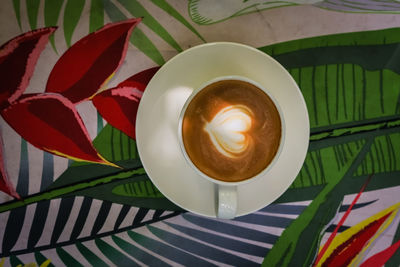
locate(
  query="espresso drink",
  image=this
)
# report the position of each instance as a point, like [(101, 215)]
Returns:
[(231, 130)]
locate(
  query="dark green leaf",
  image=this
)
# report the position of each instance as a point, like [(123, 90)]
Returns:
[(15, 261), (138, 38), (221, 241), (81, 219), (42, 208), (157, 214), (200, 249), (114, 255), (231, 229), (138, 253), (63, 214), (32, 7), (101, 217), (168, 251), (121, 216), (52, 9), (66, 258), (137, 10), (142, 212), (17, 216), (40, 259), (387, 36), (72, 14), (90, 256)]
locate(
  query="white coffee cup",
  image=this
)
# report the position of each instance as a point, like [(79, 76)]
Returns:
[(227, 191)]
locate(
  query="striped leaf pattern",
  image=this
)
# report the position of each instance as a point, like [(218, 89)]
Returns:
[(69, 13), (166, 238)]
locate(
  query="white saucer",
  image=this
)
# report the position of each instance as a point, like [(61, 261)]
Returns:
[(158, 116)]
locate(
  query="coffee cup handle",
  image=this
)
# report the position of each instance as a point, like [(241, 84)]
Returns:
[(227, 202)]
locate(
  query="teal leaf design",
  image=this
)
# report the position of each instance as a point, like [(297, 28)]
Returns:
[(200, 249), (17, 216), (17, 10), (114, 255), (42, 208), (72, 14), (66, 258), (91, 257), (225, 242), (168, 251), (40, 259), (164, 5), (138, 38), (137, 10), (15, 261), (138, 253), (99, 123), (52, 9), (231, 229), (96, 18), (32, 7)]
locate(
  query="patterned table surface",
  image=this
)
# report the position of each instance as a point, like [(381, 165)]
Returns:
[(67, 97)]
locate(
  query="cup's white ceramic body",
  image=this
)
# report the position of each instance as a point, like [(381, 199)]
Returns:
[(227, 191)]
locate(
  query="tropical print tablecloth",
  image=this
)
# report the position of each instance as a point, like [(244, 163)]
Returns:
[(74, 191)]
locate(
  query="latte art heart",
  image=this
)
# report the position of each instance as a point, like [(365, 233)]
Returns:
[(231, 130), (228, 130)]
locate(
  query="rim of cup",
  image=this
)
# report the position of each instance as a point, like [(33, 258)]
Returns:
[(180, 136)]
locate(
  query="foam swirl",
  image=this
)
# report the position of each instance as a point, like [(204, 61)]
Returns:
[(227, 130)]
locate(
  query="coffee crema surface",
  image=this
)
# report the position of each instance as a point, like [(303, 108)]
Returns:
[(231, 130)]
